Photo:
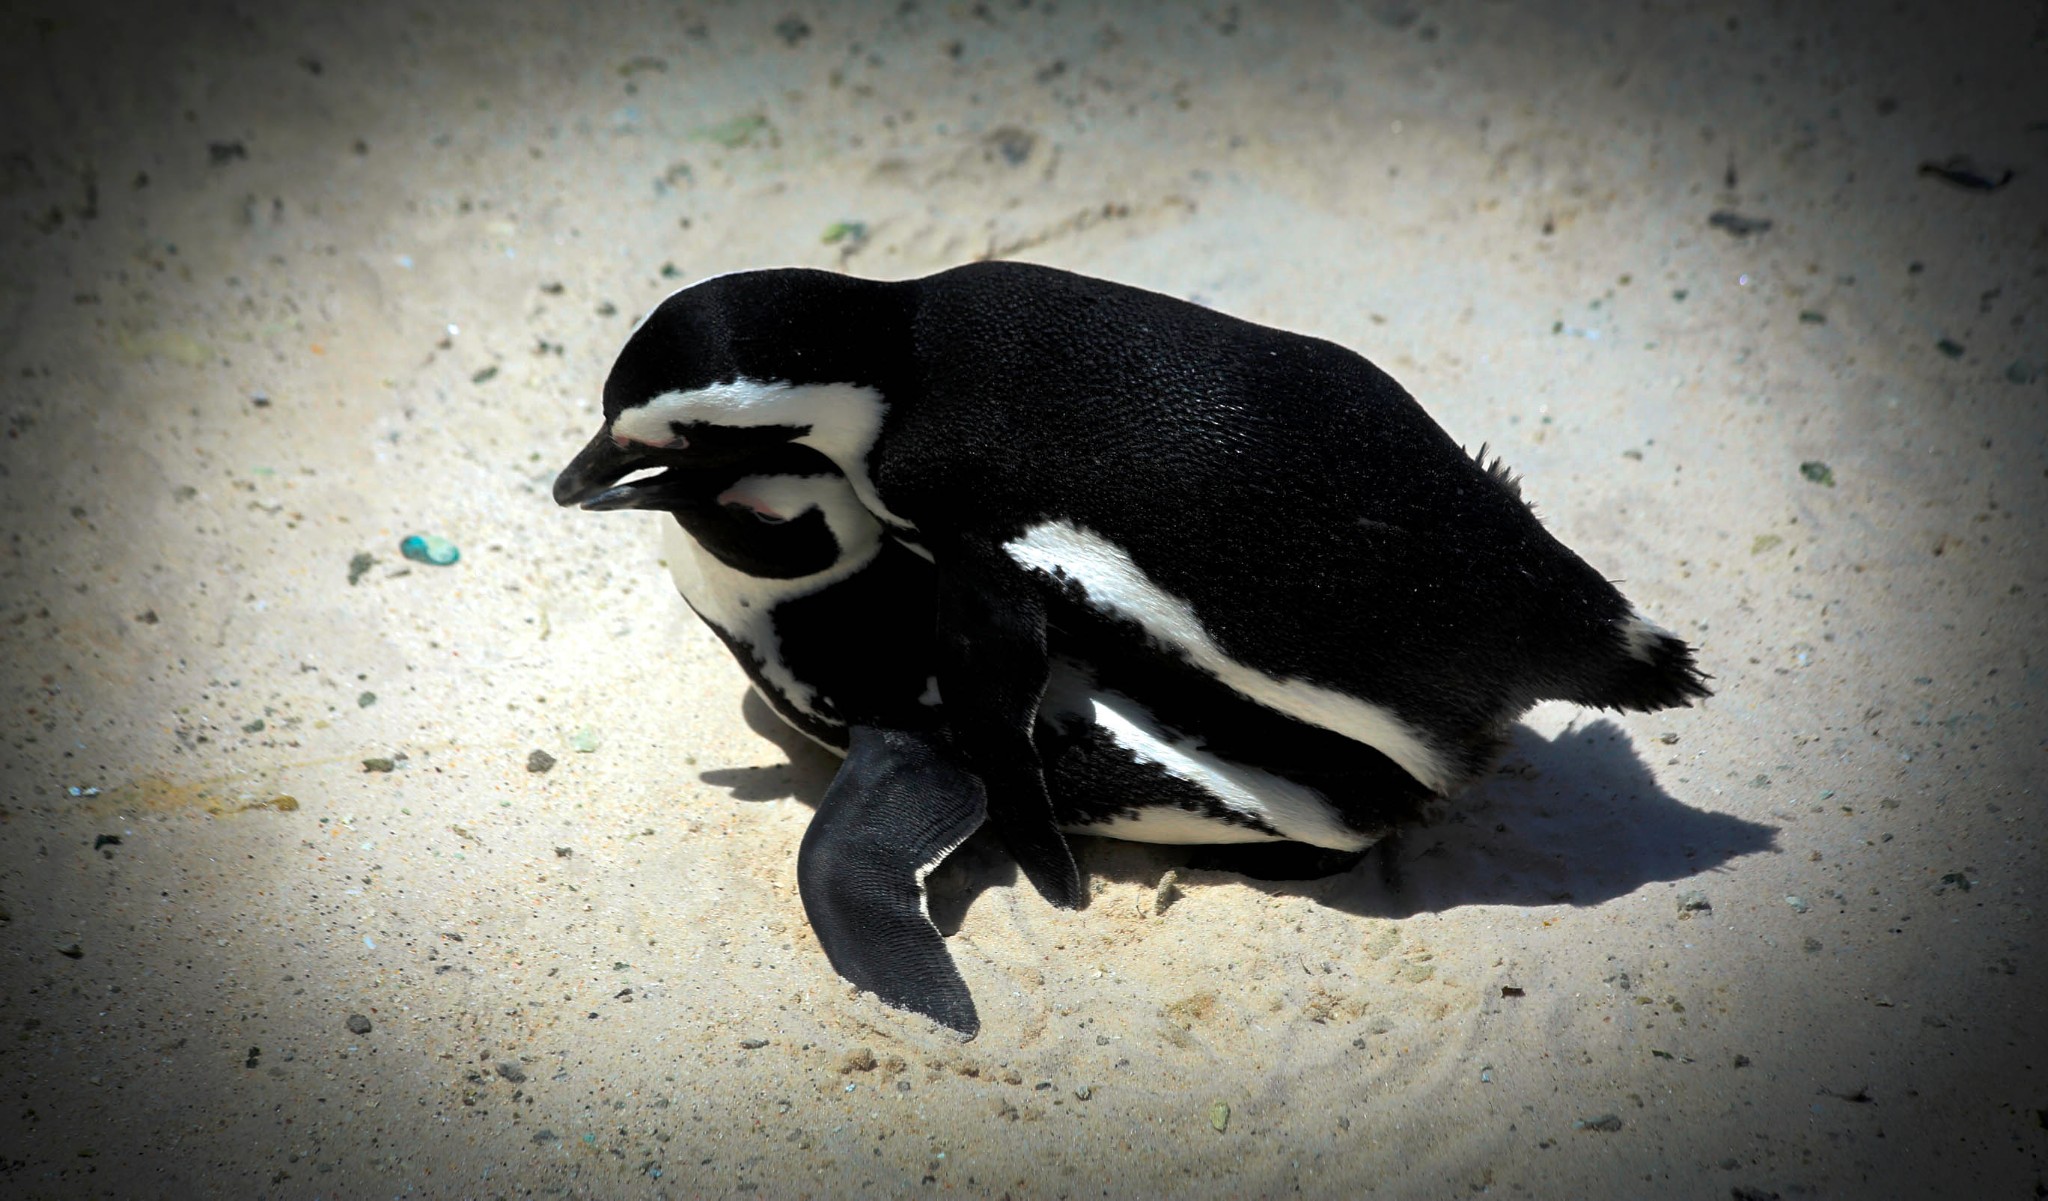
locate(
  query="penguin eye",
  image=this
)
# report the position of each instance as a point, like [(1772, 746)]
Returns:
[(761, 515)]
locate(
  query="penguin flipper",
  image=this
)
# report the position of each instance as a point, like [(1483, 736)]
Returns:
[(993, 667), (897, 808)]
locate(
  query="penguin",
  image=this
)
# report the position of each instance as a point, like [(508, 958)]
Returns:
[(834, 624), (1266, 509)]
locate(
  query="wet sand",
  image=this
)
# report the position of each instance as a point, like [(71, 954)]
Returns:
[(286, 285)]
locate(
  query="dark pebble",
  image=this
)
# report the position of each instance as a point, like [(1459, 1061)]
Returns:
[(792, 30), (358, 1024), (378, 763), (1965, 173), (511, 1070), (484, 375), (539, 761), (218, 153), (543, 1136), (365, 700), (1950, 347), (71, 951), (752, 1044), (359, 564), (1818, 472), (1736, 224), (1606, 1123), (114, 840)]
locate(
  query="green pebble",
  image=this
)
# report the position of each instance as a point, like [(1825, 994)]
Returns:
[(1219, 1115), (1818, 472), (366, 700), (429, 548), (584, 740)]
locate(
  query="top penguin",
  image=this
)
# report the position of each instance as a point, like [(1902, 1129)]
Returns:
[(1269, 508)]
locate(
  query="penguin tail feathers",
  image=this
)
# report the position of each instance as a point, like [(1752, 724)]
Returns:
[(1650, 669)]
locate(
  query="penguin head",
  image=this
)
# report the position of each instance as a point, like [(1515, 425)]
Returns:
[(726, 370)]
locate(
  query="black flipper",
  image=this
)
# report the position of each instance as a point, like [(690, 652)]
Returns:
[(897, 807), (993, 666)]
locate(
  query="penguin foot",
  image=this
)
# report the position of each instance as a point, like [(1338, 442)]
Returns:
[(897, 808)]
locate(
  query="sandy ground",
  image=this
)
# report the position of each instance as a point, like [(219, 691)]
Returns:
[(283, 287)]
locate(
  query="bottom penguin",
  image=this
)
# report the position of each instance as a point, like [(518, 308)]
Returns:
[(832, 620)]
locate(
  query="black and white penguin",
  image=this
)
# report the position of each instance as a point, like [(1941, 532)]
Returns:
[(835, 623), (1267, 509)]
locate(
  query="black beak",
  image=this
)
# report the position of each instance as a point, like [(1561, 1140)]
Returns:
[(588, 480)]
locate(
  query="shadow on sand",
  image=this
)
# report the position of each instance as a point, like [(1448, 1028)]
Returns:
[(1577, 819)]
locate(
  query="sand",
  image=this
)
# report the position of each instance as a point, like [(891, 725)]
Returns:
[(286, 284)]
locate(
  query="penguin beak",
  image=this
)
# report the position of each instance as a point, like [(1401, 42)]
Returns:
[(590, 481)]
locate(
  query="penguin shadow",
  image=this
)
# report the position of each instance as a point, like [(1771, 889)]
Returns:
[(1577, 819)]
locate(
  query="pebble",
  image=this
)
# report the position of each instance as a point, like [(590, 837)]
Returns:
[(1606, 1123), (510, 1070), (1818, 472), (1166, 894), (1694, 901), (1950, 347), (539, 761), (378, 763), (860, 1059), (584, 740), (1799, 904), (1219, 1115), (430, 549), (359, 565), (365, 700), (752, 1044), (1736, 224), (358, 1024)]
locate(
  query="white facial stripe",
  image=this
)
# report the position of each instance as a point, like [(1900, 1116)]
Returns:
[(1640, 635), (843, 419), (1110, 581), (743, 605), (1298, 812)]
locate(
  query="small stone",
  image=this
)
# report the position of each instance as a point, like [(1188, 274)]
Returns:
[(510, 1070), (1606, 1123), (147, 617), (379, 763), (1818, 472), (752, 1044), (1668, 739), (539, 761), (1219, 1115), (358, 1024), (1799, 904), (1737, 225), (1812, 317), (860, 1059), (1950, 347), (430, 549), (543, 1136), (71, 950), (1166, 894), (1693, 901), (484, 375), (583, 741), (359, 565)]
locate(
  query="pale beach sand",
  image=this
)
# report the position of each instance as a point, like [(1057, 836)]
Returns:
[(285, 284)]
